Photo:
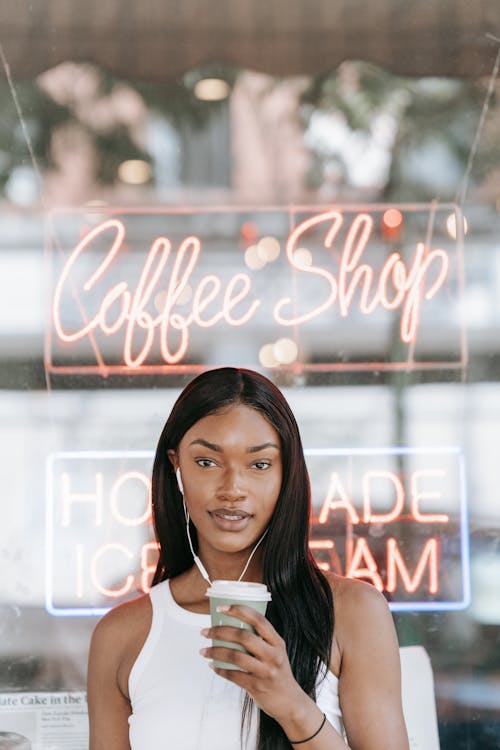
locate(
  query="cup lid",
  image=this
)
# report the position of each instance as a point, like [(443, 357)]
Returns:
[(240, 590)]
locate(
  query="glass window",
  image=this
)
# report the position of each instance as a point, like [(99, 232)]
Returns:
[(335, 220)]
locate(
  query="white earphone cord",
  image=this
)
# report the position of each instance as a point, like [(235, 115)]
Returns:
[(197, 560)]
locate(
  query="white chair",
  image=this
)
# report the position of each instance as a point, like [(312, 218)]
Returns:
[(419, 705)]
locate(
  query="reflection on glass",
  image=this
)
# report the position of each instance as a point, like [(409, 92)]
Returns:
[(14, 741)]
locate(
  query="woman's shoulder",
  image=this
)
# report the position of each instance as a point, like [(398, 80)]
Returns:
[(353, 594), (356, 605), (123, 625)]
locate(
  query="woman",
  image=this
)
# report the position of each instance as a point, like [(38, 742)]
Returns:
[(231, 494)]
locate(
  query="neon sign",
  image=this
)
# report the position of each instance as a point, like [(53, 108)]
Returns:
[(398, 526), (141, 302), (386, 516)]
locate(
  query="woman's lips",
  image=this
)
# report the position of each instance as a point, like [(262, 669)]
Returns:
[(230, 520)]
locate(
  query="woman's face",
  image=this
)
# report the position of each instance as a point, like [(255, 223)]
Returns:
[(231, 471)]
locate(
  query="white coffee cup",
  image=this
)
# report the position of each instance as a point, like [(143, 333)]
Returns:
[(226, 593)]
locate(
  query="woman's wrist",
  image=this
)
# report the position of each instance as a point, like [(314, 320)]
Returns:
[(302, 720), (312, 736)]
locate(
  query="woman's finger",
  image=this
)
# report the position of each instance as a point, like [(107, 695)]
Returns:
[(246, 638), (262, 625), (245, 662), (243, 679)]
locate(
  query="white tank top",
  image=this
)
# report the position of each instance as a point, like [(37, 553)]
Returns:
[(178, 701)]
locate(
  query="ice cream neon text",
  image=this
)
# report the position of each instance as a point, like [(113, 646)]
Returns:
[(102, 507)]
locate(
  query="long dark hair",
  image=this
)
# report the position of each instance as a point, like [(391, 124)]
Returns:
[(302, 608)]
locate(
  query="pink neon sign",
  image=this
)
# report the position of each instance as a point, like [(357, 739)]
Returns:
[(372, 521), (125, 302)]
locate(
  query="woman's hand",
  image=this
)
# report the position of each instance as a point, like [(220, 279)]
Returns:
[(267, 675)]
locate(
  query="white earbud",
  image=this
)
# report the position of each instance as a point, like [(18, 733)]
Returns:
[(179, 480), (196, 559)]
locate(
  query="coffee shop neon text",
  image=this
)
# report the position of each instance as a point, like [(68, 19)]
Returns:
[(126, 309)]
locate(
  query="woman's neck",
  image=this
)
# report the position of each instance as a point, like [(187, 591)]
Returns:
[(230, 566)]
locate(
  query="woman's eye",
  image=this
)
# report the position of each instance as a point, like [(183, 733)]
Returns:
[(205, 462), (262, 465)]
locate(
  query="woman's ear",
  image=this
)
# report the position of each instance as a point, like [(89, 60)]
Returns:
[(172, 455), (174, 460)]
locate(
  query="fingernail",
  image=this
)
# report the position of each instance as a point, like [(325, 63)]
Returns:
[(223, 608), (203, 651), (204, 632)]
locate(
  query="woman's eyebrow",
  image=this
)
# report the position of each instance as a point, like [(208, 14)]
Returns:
[(206, 444), (257, 448), (218, 449)]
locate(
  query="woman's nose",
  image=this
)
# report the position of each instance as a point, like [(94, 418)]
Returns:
[(232, 486)]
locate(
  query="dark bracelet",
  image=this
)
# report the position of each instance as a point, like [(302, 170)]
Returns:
[(301, 742)]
